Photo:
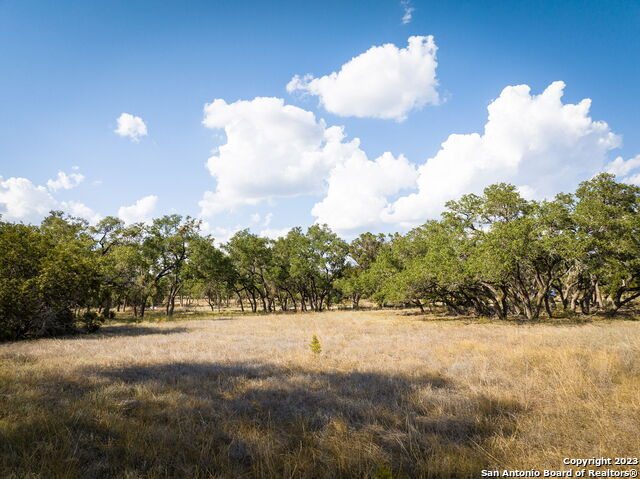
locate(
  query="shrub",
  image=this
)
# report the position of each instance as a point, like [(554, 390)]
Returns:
[(44, 276), (91, 321), (315, 346)]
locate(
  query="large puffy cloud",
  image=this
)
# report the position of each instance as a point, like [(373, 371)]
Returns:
[(131, 126), (383, 82), (359, 188), (140, 211), (536, 142), (24, 201), (533, 141), (271, 150)]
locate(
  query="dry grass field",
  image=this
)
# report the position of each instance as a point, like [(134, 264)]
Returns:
[(390, 395)]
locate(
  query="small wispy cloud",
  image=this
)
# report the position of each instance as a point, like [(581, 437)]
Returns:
[(408, 11)]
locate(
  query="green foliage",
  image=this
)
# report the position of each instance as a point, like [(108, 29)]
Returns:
[(209, 272), (490, 255), (363, 252), (499, 254), (45, 273), (315, 346), (91, 321), (384, 472)]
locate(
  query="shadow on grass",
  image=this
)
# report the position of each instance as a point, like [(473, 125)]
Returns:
[(127, 330), (162, 318), (560, 320), (117, 330), (246, 420)]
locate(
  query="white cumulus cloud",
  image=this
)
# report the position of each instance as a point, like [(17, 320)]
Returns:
[(24, 201), (383, 82), (131, 126), (220, 234), (621, 168), (633, 180), (65, 181), (80, 210), (274, 233), (21, 200), (140, 211), (625, 170), (533, 141), (271, 150), (359, 188)]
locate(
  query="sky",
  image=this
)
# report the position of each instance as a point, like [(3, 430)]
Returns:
[(367, 116)]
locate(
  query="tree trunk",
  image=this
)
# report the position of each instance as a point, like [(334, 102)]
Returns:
[(240, 301), (172, 305), (264, 304), (547, 307)]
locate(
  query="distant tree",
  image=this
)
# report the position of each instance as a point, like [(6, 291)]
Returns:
[(495, 254), (212, 270), (282, 275), (363, 252), (166, 248), (108, 236), (325, 255), (251, 257)]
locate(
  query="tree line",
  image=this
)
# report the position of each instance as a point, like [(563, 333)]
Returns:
[(495, 255)]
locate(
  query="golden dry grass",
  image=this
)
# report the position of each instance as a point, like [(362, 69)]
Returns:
[(245, 397)]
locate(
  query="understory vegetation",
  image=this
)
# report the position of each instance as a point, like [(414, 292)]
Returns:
[(495, 255)]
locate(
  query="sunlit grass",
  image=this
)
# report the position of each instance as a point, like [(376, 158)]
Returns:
[(244, 396)]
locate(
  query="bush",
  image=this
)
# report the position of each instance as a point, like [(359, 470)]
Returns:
[(44, 276), (92, 321)]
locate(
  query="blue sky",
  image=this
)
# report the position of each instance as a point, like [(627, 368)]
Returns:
[(69, 69)]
